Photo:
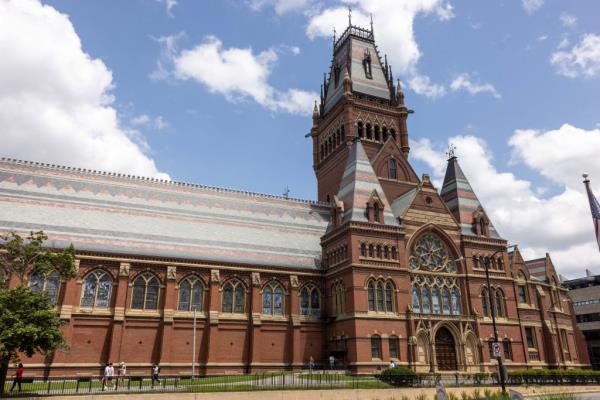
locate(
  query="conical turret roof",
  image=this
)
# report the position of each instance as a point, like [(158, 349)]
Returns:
[(359, 185), (462, 201)]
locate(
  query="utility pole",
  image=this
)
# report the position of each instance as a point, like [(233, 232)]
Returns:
[(194, 347)]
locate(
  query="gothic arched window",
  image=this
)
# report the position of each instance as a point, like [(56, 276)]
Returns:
[(191, 294), (360, 132), (394, 344), (385, 133), (386, 252), (393, 133), (425, 300), (380, 298), (47, 283), (499, 300), (272, 299), (389, 297), (234, 297), (96, 290), (363, 250), (394, 253), (416, 299), (310, 301), (379, 254), (377, 133), (369, 132), (376, 346), (371, 251), (485, 302), (455, 301), (371, 295), (435, 300), (445, 301), (393, 169), (146, 288), (376, 213)]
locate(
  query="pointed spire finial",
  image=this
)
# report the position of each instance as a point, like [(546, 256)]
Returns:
[(585, 178), (334, 36), (349, 16), (371, 23), (450, 152), (315, 111)]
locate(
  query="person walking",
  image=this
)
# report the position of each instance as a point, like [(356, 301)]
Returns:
[(331, 362), (155, 372), (18, 377), (122, 371), (104, 377), (311, 364), (109, 373)]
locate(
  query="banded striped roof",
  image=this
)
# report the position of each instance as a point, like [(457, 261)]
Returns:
[(460, 198), (123, 214)]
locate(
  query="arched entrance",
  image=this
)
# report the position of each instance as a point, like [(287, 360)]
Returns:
[(445, 350)]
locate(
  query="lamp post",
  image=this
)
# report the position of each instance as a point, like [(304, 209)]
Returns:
[(493, 313), (194, 346)]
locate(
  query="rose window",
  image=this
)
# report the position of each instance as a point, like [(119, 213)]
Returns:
[(431, 254)]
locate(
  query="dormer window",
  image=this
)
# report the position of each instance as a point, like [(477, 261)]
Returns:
[(367, 64), (481, 222), (374, 211)]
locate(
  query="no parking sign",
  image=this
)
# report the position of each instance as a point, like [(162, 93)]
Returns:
[(496, 349)]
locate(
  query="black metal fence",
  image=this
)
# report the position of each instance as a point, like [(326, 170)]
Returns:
[(34, 386)]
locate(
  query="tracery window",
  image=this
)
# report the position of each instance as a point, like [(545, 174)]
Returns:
[(97, 287), (234, 297), (433, 294), (272, 299), (499, 300), (380, 295), (485, 302), (191, 294), (47, 283), (522, 288), (310, 301), (146, 288)]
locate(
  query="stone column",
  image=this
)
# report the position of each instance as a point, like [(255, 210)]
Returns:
[(120, 303), (170, 303)]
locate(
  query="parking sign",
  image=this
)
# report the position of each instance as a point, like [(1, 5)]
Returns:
[(496, 349)]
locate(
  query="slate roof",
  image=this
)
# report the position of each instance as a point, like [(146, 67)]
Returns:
[(358, 183), (461, 199), (114, 213), (349, 52)]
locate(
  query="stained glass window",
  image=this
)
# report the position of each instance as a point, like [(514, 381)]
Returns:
[(191, 293), (96, 290), (273, 299), (234, 297), (146, 289), (455, 301), (416, 299), (47, 283), (445, 301)]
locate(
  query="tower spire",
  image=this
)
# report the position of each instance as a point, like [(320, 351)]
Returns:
[(349, 16), (372, 34)]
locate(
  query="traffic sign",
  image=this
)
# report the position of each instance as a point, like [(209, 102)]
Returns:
[(496, 349)]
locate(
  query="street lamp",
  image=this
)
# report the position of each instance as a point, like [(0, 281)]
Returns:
[(493, 313)]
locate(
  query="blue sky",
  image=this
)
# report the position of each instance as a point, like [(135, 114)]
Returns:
[(220, 93)]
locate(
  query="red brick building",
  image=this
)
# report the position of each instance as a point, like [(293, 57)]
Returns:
[(381, 267)]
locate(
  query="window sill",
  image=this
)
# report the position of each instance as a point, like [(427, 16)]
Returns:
[(130, 312), (93, 311), (278, 318), (189, 314), (233, 316)]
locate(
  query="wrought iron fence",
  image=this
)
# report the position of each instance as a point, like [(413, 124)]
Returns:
[(41, 386)]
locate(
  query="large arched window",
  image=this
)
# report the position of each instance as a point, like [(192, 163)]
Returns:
[(393, 169), (371, 295), (146, 288), (425, 300), (389, 296), (234, 297), (338, 295), (191, 294), (445, 301), (47, 283), (310, 301), (455, 301), (416, 299), (97, 287), (272, 299), (435, 300)]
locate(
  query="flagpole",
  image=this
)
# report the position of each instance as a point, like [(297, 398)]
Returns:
[(594, 208)]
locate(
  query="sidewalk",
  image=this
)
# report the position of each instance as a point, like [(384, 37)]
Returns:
[(337, 394)]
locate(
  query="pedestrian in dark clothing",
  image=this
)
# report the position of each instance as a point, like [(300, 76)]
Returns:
[(155, 372), (18, 377)]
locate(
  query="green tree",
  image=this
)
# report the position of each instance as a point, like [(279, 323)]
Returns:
[(29, 323)]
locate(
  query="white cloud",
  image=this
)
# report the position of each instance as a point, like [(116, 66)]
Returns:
[(157, 123), (236, 73), (581, 60), (465, 82), (394, 30), (421, 84), (56, 103), (532, 6), (568, 21), (559, 223), (169, 4), (541, 38), (281, 6)]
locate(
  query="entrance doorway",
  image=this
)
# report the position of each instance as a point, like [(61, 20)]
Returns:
[(445, 350)]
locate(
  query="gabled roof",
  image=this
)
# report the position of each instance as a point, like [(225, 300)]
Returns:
[(402, 203), (461, 199), (541, 268), (121, 214), (359, 182), (350, 51)]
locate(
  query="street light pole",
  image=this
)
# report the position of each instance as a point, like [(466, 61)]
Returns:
[(194, 347), (493, 313)]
